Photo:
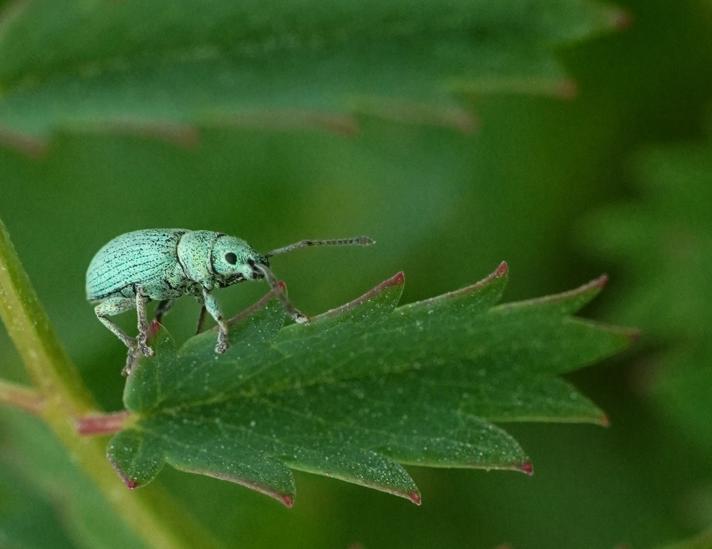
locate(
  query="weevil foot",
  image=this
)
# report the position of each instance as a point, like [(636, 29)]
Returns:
[(147, 351), (299, 317), (222, 345), (142, 346)]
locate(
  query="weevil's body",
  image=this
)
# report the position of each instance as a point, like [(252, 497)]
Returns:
[(164, 264)]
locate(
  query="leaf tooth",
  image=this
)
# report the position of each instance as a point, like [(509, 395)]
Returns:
[(173, 133), (563, 303), (619, 18), (558, 88), (29, 145), (364, 467), (389, 291), (288, 500), (205, 452), (289, 119), (526, 467), (446, 114), (502, 270), (285, 498), (494, 281), (415, 497), (136, 457)]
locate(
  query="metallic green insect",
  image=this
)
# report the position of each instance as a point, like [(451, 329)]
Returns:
[(164, 264)]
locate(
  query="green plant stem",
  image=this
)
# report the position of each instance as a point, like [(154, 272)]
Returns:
[(65, 398), (21, 397)]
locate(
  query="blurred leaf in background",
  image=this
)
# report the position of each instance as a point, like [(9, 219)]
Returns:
[(159, 67), (662, 242)]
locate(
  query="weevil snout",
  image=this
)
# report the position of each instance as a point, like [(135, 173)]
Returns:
[(255, 264)]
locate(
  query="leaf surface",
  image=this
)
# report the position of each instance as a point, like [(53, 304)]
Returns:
[(364, 389), (158, 67)]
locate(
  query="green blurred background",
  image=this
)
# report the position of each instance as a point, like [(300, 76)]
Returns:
[(528, 186)]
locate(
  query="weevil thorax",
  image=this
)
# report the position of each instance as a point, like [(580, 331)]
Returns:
[(215, 259)]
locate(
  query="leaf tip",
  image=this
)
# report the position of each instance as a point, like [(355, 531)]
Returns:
[(415, 497), (502, 270), (527, 468), (287, 500), (129, 482), (153, 329), (397, 279), (604, 421), (619, 18), (33, 147), (566, 89), (633, 334), (600, 282)]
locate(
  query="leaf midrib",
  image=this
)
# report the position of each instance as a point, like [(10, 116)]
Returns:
[(394, 438), (275, 390)]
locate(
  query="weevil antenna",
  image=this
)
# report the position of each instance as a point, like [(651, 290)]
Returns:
[(292, 311), (353, 241)]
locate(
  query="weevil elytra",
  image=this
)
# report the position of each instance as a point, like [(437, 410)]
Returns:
[(164, 264)]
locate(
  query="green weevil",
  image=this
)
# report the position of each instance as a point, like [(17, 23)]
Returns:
[(164, 264)]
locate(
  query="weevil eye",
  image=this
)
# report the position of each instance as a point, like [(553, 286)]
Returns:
[(231, 258)]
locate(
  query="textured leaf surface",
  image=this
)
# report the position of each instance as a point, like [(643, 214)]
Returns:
[(157, 66), (363, 389)]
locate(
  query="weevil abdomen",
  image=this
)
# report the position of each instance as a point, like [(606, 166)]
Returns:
[(146, 258)]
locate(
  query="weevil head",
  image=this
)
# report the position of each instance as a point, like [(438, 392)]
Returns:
[(234, 260)]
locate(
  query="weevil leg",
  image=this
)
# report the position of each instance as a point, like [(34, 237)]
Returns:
[(296, 315), (162, 309), (142, 323), (111, 307), (201, 319), (211, 305)]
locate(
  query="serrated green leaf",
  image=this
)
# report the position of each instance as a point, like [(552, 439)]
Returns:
[(362, 389), (158, 66)]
